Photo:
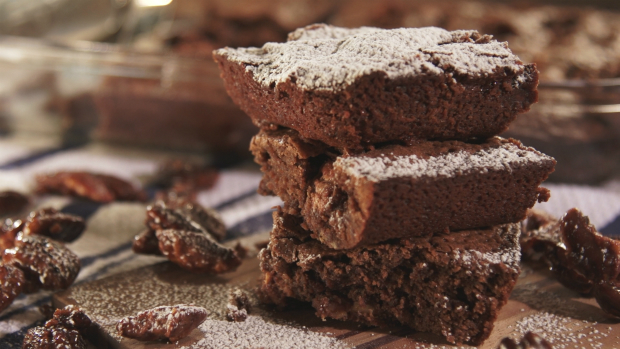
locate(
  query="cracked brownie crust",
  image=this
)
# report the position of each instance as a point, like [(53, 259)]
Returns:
[(453, 285), (351, 88), (400, 191)]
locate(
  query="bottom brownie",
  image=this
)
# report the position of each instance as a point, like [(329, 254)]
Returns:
[(453, 285)]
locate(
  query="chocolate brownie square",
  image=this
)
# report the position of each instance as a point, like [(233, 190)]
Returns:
[(352, 88), (349, 200), (453, 284)]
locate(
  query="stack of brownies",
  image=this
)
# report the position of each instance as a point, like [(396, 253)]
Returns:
[(400, 202)]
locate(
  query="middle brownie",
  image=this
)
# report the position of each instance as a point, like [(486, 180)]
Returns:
[(400, 191)]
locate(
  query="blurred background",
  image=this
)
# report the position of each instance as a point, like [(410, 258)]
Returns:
[(139, 73)]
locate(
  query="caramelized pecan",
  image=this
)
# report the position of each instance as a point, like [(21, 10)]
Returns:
[(146, 243), (12, 282), (196, 251), (54, 337), (45, 263), (161, 323), (91, 186), (581, 258), (55, 225)]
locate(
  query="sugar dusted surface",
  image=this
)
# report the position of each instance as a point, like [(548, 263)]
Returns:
[(323, 57), (385, 167), (553, 312), (155, 287)]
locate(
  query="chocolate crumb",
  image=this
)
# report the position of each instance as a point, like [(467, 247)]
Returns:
[(238, 306), (241, 251)]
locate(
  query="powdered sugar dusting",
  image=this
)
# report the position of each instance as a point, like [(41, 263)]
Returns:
[(376, 169), (255, 332), (559, 320), (323, 57), (158, 286), (510, 256)]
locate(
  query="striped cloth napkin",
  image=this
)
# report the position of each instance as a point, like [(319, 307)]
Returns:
[(105, 247)]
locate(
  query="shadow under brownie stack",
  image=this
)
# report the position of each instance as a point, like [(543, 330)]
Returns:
[(400, 202)]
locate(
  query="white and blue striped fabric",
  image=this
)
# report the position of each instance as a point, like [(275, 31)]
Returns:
[(105, 247)]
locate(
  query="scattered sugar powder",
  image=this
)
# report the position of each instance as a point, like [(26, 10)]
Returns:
[(376, 169), (324, 57), (257, 332), (151, 287), (558, 320)]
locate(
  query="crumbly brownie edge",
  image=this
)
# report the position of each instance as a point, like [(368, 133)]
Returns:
[(287, 160), (420, 282)]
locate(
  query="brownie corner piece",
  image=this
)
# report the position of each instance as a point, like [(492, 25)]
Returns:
[(351, 88), (453, 285)]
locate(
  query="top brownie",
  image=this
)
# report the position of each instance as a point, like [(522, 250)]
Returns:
[(352, 88)]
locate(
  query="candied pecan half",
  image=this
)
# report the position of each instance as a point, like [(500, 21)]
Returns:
[(607, 295), (183, 175), (196, 251), (160, 323), (588, 251), (146, 243), (530, 341), (12, 202), (238, 306), (184, 215), (92, 186), (207, 218), (53, 224), (159, 217), (46, 263), (581, 258), (53, 337), (71, 317), (8, 233), (595, 257), (541, 241), (11, 282)]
